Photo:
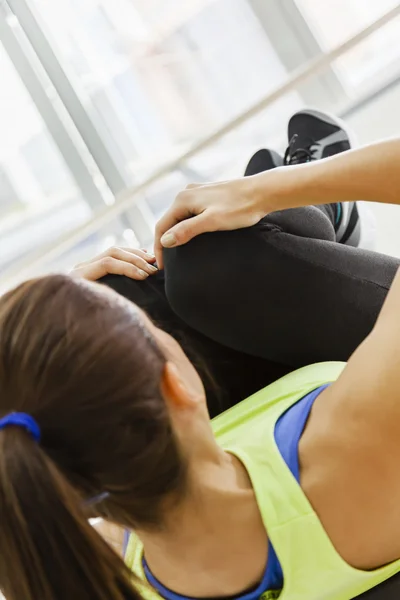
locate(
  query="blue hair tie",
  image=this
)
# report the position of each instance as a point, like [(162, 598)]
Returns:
[(97, 499), (18, 419)]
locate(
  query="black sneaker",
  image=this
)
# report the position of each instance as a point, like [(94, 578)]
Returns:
[(263, 160), (313, 135)]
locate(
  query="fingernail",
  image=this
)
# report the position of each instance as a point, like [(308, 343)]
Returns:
[(168, 240), (154, 269), (143, 273)]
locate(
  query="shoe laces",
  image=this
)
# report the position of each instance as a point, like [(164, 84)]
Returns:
[(299, 155)]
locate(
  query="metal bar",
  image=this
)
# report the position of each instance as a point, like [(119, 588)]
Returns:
[(104, 150), (311, 69), (350, 109), (55, 123), (70, 97), (129, 196), (295, 44)]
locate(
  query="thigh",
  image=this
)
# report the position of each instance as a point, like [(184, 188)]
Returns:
[(228, 375), (279, 296)]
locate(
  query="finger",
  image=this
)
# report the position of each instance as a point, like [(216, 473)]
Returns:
[(186, 230), (145, 254), (113, 251), (158, 251), (134, 256), (109, 266), (174, 215)]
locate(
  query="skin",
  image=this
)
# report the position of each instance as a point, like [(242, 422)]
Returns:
[(131, 262), (198, 552), (351, 442), (370, 173)]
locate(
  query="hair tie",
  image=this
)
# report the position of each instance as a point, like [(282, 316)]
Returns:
[(18, 419), (97, 499)]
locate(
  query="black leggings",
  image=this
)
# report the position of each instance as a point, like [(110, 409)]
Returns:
[(282, 290)]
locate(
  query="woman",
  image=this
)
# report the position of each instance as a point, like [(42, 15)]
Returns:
[(243, 345), (151, 463), (299, 489)]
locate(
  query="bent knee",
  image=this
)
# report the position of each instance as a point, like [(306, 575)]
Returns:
[(190, 275), (202, 277)]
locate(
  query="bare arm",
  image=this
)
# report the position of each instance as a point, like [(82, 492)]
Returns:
[(369, 173), (349, 452), (355, 448), (373, 371)]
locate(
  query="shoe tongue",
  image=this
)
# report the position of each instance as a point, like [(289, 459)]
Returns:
[(299, 157), (300, 142), (298, 151)]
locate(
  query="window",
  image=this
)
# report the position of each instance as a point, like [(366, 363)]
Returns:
[(161, 74), (335, 21), (37, 191)]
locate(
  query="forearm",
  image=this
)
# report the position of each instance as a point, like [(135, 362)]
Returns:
[(370, 173)]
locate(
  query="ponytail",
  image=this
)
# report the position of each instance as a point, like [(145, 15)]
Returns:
[(48, 549)]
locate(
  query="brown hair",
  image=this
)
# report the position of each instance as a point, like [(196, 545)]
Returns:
[(88, 371)]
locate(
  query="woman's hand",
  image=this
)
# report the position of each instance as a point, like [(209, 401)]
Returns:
[(208, 207), (136, 264), (371, 173)]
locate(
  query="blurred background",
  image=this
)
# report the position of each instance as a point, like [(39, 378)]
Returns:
[(109, 107)]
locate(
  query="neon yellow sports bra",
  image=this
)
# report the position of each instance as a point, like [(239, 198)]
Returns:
[(312, 569)]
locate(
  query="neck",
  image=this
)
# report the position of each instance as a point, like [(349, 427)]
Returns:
[(214, 532)]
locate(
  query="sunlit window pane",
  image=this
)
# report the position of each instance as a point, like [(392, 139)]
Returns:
[(37, 192), (335, 21), (162, 74)]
